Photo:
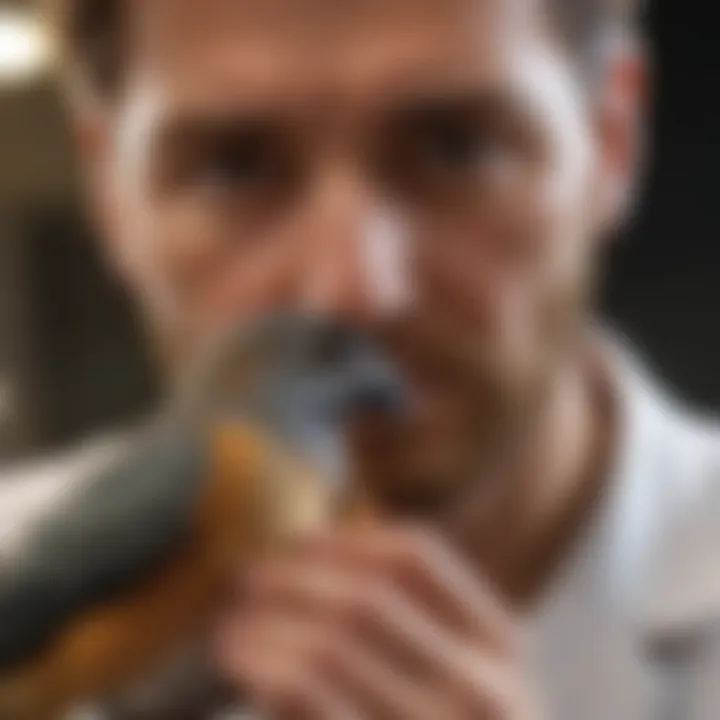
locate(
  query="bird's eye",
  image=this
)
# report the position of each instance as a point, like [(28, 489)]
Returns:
[(332, 347)]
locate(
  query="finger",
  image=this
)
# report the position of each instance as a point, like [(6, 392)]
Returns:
[(308, 698), (370, 611), (384, 692), (486, 687), (422, 564), (271, 660), (367, 681)]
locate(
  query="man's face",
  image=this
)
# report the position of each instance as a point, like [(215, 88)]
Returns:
[(423, 168)]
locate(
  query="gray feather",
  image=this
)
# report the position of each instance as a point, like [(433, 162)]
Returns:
[(109, 530)]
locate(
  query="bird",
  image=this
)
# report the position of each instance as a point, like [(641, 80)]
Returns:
[(124, 570)]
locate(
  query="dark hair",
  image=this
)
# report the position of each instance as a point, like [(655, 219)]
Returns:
[(91, 34)]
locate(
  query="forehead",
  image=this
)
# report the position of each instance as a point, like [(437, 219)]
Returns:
[(222, 50)]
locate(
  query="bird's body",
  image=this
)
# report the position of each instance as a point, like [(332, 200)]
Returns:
[(129, 615), (130, 567)]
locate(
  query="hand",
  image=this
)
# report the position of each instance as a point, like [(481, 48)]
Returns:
[(372, 624)]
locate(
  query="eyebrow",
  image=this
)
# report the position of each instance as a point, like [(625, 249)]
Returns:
[(215, 128), (473, 100), (195, 129), (490, 108)]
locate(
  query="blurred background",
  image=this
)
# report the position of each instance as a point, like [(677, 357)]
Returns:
[(71, 357)]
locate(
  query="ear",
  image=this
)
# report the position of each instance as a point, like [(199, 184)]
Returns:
[(621, 109)]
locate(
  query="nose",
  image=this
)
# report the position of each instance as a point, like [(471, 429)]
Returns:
[(357, 262)]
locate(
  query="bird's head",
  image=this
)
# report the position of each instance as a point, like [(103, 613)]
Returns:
[(302, 378)]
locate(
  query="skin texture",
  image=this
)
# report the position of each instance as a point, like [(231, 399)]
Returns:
[(435, 172)]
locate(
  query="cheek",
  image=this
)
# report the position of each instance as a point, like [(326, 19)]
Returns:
[(197, 277), (550, 278), (551, 281), (476, 262), (168, 256), (184, 248), (506, 284)]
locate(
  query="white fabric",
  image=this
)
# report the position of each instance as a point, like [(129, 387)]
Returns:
[(627, 631)]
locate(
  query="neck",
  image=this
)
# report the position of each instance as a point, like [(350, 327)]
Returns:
[(520, 535)]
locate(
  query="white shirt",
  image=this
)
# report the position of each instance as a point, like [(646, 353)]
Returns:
[(628, 625)]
